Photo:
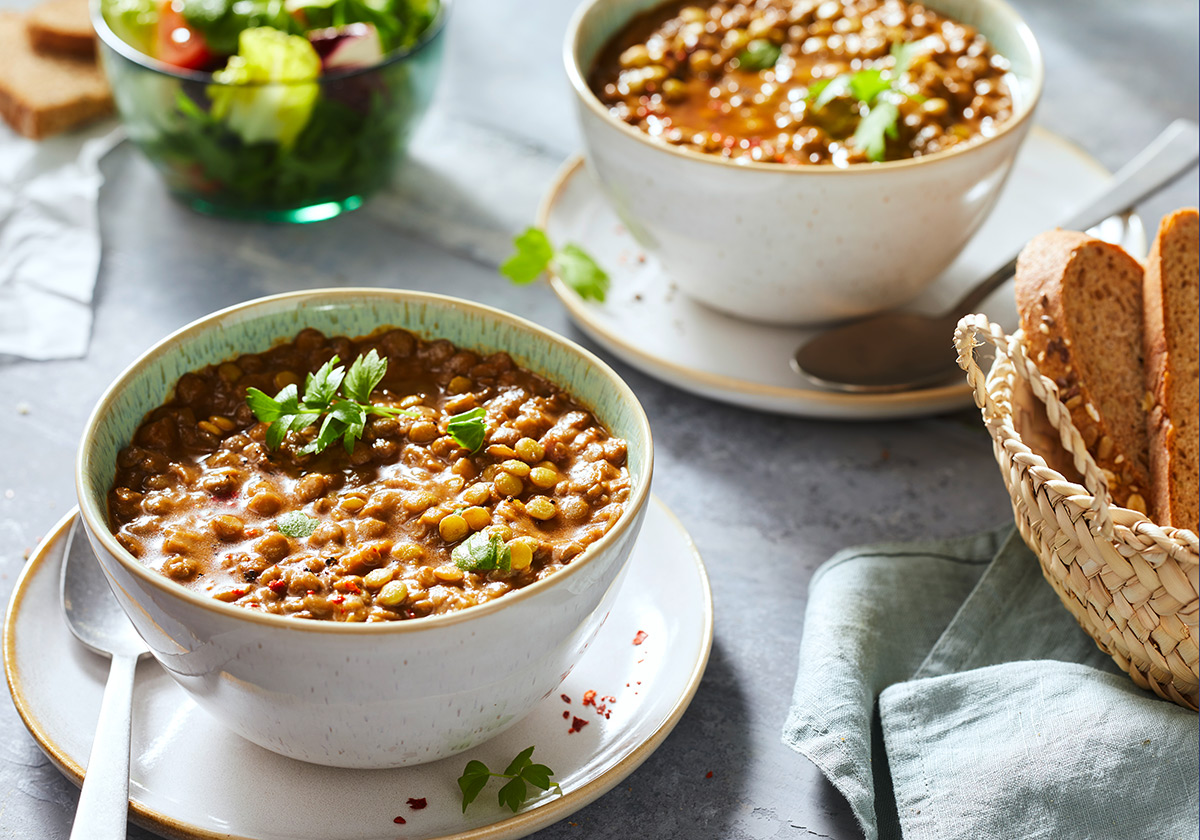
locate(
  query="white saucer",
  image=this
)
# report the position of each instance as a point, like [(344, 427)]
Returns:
[(650, 325), (193, 779)]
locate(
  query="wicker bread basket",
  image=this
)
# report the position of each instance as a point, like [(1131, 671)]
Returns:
[(1130, 583)]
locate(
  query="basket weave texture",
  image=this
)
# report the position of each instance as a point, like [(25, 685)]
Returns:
[(1129, 583)]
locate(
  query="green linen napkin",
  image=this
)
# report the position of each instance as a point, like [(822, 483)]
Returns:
[(946, 693)]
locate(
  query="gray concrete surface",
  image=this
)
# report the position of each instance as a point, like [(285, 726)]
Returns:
[(766, 498)]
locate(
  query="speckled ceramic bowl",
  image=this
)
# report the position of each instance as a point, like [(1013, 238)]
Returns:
[(800, 244), (365, 695)]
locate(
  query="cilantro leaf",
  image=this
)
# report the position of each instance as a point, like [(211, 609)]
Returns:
[(265, 408), (296, 524), (535, 255), (874, 129), (481, 552), (518, 764), (521, 773), (905, 53), (345, 416), (579, 271), (824, 91), (759, 54), (514, 794), (531, 259), (866, 85), (366, 372), (319, 388), (473, 780), (468, 429)]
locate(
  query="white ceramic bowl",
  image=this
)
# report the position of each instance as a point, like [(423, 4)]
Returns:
[(800, 244), (365, 695)]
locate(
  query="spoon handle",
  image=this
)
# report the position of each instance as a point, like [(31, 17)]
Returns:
[(104, 801), (1172, 152)]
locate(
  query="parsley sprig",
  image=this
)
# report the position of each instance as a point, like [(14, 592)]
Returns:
[(521, 772), (534, 255), (879, 91), (759, 54), (340, 396), (482, 553)]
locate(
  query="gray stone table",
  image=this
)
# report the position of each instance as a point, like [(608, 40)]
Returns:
[(766, 498)]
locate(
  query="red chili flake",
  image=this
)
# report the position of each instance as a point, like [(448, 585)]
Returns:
[(338, 599), (708, 775), (566, 699), (253, 532), (399, 821), (640, 637), (589, 697), (566, 715), (278, 586), (417, 804), (577, 725)]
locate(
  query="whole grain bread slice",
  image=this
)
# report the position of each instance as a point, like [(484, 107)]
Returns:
[(62, 26), (41, 94), (1080, 300), (1172, 311)]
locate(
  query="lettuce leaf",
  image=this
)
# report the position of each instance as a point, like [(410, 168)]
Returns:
[(266, 92)]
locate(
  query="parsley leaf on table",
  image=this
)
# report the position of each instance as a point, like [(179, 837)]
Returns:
[(345, 414), (521, 772), (534, 255)]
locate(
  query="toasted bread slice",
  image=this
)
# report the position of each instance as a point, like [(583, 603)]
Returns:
[(62, 26), (41, 94), (1080, 300), (1172, 307)]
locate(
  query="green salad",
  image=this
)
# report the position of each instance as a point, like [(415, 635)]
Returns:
[(284, 103)]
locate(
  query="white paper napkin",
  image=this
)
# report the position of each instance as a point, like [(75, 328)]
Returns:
[(49, 240)]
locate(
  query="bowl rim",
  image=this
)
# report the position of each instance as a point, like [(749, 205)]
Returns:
[(97, 524), (131, 53), (578, 79)]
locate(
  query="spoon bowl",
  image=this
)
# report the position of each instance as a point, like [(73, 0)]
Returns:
[(901, 351)]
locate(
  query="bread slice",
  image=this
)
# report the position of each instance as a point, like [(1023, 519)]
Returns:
[(62, 26), (1080, 300), (41, 94), (1172, 307)]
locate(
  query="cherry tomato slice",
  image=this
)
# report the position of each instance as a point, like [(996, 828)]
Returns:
[(179, 44)]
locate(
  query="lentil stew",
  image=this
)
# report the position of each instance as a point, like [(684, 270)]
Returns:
[(386, 530), (837, 82)]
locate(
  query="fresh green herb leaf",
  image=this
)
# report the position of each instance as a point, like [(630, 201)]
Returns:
[(345, 416), (364, 375), (468, 429), (874, 129), (904, 53), (296, 524), (579, 271), (759, 54), (521, 773), (482, 553), (865, 85), (514, 794), (524, 759), (534, 255), (532, 258), (473, 780)]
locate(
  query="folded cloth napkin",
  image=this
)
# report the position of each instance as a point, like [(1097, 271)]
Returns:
[(946, 692), (49, 240)]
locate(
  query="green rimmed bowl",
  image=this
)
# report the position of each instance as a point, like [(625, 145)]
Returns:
[(365, 695)]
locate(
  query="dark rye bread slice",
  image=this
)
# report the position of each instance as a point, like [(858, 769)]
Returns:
[(1172, 341), (41, 94), (1080, 300), (62, 26)]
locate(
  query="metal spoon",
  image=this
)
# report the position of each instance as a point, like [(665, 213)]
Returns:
[(96, 620), (899, 351)]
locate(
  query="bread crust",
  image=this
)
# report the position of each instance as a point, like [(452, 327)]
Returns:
[(43, 94), (62, 26), (1173, 416), (1059, 265)]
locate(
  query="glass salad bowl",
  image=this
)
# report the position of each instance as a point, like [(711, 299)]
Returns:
[(250, 121)]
